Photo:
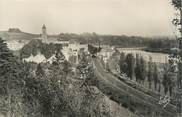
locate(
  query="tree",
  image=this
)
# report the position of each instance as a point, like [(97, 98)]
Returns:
[(176, 3), (155, 76), (159, 88), (93, 50), (137, 68), (172, 76), (165, 82), (59, 57), (177, 22), (150, 72), (11, 80), (129, 65), (122, 63), (168, 82), (142, 69), (40, 72), (85, 68)]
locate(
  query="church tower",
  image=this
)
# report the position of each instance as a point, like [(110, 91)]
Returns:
[(44, 33)]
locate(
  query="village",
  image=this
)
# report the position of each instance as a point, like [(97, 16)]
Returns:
[(90, 58)]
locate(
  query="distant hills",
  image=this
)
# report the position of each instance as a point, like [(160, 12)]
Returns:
[(17, 34)]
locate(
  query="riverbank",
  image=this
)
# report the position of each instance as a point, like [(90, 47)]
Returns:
[(158, 50)]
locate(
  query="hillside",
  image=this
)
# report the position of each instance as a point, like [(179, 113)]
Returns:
[(14, 35)]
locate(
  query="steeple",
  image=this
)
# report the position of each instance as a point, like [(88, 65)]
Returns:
[(44, 32), (43, 27)]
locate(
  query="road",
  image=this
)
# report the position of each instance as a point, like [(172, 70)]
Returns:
[(128, 96)]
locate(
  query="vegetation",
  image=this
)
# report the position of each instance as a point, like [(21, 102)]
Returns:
[(168, 79), (156, 77), (129, 65), (161, 45), (122, 64), (93, 50), (140, 69), (37, 46), (11, 81), (148, 70), (50, 90)]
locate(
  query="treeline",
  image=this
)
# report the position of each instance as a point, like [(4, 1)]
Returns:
[(47, 90), (119, 40), (156, 76), (162, 45)]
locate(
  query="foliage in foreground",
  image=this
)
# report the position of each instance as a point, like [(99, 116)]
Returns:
[(50, 91)]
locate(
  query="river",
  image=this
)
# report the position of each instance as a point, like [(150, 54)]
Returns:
[(156, 57)]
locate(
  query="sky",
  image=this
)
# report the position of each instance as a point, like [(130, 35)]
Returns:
[(116, 17)]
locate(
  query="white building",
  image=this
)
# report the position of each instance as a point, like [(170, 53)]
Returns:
[(73, 49), (106, 53)]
